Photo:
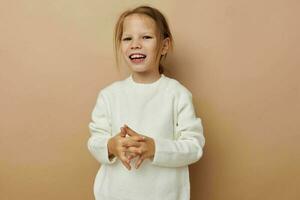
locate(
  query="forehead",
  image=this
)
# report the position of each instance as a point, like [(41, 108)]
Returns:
[(138, 23)]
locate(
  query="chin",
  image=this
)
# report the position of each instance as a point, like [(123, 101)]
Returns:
[(137, 68)]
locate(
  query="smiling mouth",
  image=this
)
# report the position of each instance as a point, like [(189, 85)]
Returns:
[(137, 57)]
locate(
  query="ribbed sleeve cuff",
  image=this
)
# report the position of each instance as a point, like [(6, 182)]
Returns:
[(161, 151), (108, 161), (99, 150)]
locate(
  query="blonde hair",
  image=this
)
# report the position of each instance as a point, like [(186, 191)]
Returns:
[(162, 27)]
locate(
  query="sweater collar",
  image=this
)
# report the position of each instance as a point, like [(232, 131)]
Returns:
[(152, 84)]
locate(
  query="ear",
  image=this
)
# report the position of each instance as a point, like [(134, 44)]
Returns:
[(165, 46)]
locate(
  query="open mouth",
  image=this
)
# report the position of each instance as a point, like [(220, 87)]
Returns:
[(137, 57)]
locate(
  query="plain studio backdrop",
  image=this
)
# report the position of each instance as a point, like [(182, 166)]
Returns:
[(239, 58)]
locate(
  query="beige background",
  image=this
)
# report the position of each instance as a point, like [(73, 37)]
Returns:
[(239, 58)]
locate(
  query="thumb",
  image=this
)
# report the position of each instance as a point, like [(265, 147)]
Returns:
[(134, 134), (123, 132), (129, 131)]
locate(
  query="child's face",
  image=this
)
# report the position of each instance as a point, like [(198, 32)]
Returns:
[(139, 44)]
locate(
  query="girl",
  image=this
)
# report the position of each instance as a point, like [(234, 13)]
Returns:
[(147, 120)]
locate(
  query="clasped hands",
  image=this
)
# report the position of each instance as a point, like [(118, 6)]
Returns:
[(127, 148)]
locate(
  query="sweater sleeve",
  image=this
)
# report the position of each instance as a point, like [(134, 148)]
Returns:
[(187, 148), (100, 129)]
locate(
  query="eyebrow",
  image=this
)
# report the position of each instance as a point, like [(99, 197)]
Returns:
[(144, 33)]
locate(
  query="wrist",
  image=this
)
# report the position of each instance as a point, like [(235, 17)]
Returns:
[(152, 147), (110, 154), (109, 148)]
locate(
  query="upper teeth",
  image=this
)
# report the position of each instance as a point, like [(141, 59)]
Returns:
[(136, 56)]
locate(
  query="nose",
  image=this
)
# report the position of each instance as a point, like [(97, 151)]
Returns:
[(136, 44)]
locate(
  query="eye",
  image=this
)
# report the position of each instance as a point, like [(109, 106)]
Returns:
[(126, 39), (147, 37)]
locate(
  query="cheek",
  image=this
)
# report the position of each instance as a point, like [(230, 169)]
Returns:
[(123, 50), (153, 48), (154, 53)]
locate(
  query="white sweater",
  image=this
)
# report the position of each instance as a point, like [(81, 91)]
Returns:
[(162, 110)]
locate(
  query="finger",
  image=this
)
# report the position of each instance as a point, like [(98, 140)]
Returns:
[(128, 142), (134, 150), (131, 156), (134, 134), (123, 156), (123, 132), (139, 162), (126, 165), (139, 138), (125, 160), (129, 131), (128, 156)]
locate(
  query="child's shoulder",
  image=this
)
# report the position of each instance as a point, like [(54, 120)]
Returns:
[(112, 87), (177, 87)]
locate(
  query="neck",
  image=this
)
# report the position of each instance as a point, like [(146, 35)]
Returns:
[(145, 77)]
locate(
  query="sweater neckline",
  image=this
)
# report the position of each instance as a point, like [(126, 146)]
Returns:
[(152, 84)]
